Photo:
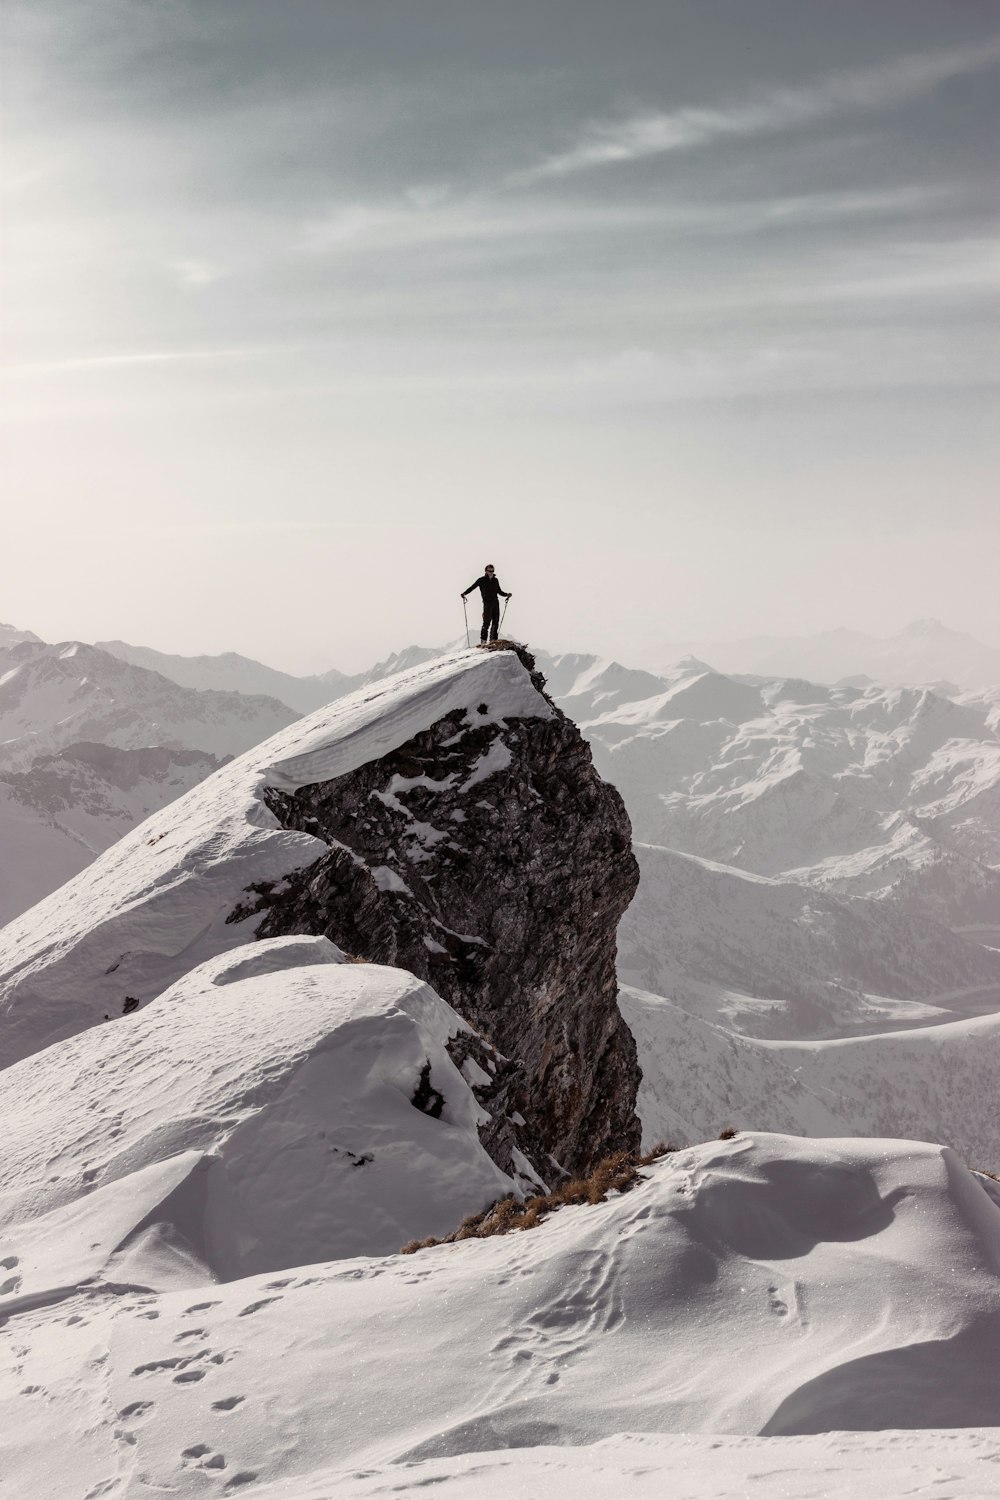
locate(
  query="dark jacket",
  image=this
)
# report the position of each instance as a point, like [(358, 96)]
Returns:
[(488, 587)]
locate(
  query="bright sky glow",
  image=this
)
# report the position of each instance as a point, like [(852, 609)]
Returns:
[(682, 312)]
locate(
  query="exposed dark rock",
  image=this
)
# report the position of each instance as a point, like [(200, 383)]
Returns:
[(491, 860), (425, 1096)]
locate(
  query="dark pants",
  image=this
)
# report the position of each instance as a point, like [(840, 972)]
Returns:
[(491, 619)]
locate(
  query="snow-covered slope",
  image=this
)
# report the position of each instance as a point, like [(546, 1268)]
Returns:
[(65, 809), (689, 1466), (279, 1081), (228, 673), (775, 958), (53, 696), (160, 900), (938, 1082), (762, 1285)]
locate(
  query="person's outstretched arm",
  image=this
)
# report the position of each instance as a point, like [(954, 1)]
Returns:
[(468, 591), (502, 591)]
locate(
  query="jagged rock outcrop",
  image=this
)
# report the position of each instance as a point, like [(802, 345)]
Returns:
[(447, 820), (491, 860)]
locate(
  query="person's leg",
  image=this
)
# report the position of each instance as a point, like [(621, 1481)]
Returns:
[(494, 619), (486, 621)]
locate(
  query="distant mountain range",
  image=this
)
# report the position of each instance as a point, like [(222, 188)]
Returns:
[(925, 652), (232, 673), (52, 696)]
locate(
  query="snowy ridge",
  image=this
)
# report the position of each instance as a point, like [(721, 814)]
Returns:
[(820, 1263), (156, 903)]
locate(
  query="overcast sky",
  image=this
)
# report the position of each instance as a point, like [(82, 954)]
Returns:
[(682, 312)]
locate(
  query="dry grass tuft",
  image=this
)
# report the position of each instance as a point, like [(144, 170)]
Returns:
[(615, 1174), (728, 1134)]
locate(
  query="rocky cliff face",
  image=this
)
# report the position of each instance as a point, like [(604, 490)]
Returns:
[(491, 860)]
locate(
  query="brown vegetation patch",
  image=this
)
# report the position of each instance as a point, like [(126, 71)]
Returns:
[(614, 1174)]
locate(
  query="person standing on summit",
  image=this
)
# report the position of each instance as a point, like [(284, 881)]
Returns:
[(489, 587)]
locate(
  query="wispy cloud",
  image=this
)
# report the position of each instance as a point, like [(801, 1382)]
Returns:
[(361, 228), (152, 357), (861, 89)]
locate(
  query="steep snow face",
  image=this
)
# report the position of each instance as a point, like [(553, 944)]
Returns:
[(228, 673), (65, 809), (158, 902), (53, 696), (263, 1107), (763, 1285), (774, 958)]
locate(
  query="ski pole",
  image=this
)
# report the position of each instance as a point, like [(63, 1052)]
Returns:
[(505, 604), (465, 611)]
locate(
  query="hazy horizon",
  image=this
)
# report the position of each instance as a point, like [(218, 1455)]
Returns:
[(683, 315)]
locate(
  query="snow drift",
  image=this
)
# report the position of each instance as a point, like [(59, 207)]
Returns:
[(762, 1285), (288, 1078)]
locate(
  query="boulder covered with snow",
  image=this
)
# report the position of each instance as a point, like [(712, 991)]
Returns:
[(276, 1106)]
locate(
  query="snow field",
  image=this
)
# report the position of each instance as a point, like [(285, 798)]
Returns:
[(650, 1466), (763, 1285)]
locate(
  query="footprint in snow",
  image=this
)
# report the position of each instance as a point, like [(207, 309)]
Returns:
[(190, 1333), (256, 1306), (200, 1456), (227, 1403), (199, 1307), (9, 1262), (10, 1285)]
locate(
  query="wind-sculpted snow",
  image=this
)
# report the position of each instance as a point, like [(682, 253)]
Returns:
[(690, 1466), (762, 1285), (276, 1085), (156, 904)]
